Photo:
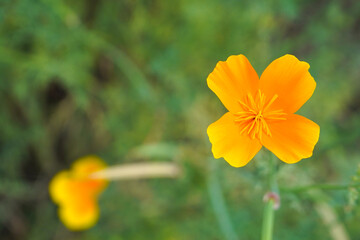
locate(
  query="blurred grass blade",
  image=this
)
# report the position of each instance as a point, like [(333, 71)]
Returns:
[(328, 215), (136, 77), (138, 171), (218, 203)]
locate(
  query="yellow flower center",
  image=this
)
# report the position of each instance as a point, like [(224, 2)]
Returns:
[(256, 115)]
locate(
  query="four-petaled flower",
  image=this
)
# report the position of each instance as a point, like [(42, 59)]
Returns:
[(76, 194), (262, 111)]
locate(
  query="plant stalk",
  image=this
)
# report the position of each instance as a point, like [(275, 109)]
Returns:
[(268, 221), (269, 210)]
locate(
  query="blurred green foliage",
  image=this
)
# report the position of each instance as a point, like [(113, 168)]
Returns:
[(126, 80)]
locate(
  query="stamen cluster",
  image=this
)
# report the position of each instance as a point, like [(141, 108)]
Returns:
[(256, 114)]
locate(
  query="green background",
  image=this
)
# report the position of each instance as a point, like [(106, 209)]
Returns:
[(126, 80)]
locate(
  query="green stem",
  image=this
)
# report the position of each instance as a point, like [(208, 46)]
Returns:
[(272, 176), (268, 221), (268, 217), (320, 186)]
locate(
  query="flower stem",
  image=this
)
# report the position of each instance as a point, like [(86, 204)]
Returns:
[(268, 221), (320, 186), (270, 198), (272, 175)]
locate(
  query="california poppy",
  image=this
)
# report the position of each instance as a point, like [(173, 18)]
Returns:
[(262, 111), (76, 194)]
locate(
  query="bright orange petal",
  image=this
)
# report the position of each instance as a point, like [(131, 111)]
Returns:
[(81, 169), (292, 139), (290, 79), (87, 165), (79, 215), (227, 142), (58, 187), (232, 80), (70, 186)]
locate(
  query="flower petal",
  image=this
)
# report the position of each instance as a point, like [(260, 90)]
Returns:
[(232, 80), (83, 167), (79, 215), (292, 139), (290, 79), (58, 187), (227, 142)]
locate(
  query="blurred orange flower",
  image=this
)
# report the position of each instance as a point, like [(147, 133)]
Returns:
[(76, 194), (261, 111)]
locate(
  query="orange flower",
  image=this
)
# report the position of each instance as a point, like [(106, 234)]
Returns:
[(261, 111), (76, 194)]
